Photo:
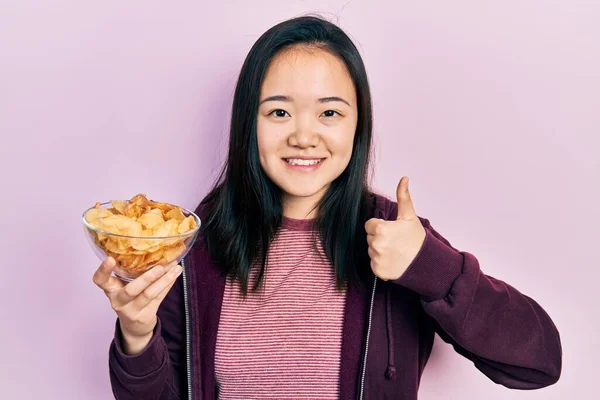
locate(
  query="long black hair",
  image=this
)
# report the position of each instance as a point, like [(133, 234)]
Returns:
[(244, 209)]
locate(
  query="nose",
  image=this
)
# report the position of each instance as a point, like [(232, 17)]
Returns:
[(304, 136)]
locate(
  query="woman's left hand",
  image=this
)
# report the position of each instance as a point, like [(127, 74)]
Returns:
[(393, 245)]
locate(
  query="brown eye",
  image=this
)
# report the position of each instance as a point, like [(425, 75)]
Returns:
[(279, 113), (330, 113)]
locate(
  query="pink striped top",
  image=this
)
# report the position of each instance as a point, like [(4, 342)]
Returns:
[(284, 341)]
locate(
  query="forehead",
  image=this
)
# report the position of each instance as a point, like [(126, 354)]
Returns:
[(307, 72)]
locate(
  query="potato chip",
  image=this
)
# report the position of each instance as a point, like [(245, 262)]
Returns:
[(169, 228), (164, 207), (151, 219), (153, 257), (186, 225), (146, 245), (119, 205), (96, 213), (175, 214), (173, 252), (120, 225), (131, 260), (139, 199)]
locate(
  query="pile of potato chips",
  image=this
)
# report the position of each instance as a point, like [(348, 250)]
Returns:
[(137, 219)]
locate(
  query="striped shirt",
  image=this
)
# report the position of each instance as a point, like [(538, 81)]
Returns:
[(284, 341)]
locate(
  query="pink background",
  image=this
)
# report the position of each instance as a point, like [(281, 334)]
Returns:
[(492, 108)]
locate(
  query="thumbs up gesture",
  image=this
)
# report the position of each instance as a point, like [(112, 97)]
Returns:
[(393, 245)]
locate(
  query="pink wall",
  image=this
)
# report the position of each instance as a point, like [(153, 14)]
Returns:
[(492, 108)]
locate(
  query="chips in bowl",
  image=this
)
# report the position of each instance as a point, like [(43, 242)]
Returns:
[(140, 233)]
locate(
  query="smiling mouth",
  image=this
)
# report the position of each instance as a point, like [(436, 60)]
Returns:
[(302, 162)]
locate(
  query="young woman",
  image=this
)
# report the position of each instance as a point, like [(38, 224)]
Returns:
[(304, 283)]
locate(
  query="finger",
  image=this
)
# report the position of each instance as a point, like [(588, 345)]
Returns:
[(372, 253), (152, 307), (103, 277), (154, 291), (371, 224), (370, 239), (138, 285), (406, 209)]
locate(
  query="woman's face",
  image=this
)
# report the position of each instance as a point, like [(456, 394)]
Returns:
[(306, 124)]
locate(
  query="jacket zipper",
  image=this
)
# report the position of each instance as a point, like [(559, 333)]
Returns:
[(364, 366), (188, 339), (187, 331)]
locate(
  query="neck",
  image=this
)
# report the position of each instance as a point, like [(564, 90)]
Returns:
[(297, 207)]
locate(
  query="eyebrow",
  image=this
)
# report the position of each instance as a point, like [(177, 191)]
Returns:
[(289, 99)]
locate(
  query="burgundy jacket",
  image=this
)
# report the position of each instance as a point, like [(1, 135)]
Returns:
[(388, 329)]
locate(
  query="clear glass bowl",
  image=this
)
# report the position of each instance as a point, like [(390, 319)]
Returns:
[(135, 255)]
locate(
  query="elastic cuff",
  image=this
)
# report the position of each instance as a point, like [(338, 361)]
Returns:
[(149, 360), (434, 269)]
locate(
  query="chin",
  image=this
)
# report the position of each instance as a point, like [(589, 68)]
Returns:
[(303, 191)]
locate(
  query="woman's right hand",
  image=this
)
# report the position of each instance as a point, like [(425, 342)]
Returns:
[(136, 303)]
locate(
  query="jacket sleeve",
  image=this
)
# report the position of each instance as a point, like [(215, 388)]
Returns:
[(506, 334), (159, 371)]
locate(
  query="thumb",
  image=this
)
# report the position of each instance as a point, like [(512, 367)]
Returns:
[(103, 276), (406, 209)]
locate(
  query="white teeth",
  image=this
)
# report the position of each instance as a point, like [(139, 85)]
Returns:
[(297, 161)]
